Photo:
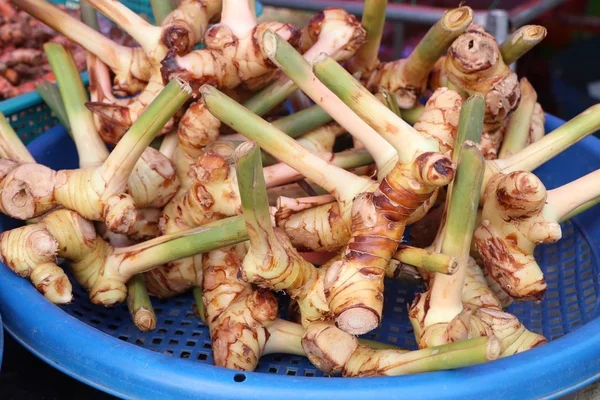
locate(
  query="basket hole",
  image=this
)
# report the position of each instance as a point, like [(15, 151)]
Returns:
[(202, 356), (78, 313), (173, 342), (112, 326), (239, 378), (185, 354), (178, 332), (272, 370), (309, 374), (196, 334), (290, 372), (156, 341), (295, 362), (189, 343), (185, 323), (139, 341), (162, 331), (123, 337), (168, 322), (207, 345)]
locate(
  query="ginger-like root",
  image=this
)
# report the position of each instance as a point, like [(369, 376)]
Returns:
[(333, 350), (212, 196), (333, 31), (514, 337), (228, 61), (103, 270), (321, 228), (96, 192), (130, 65), (354, 285), (30, 251), (513, 222), (114, 116), (440, 118), (153, 181), (476, 292), (474, 64), (272, 262), (242, 320), (378, 211), (407, 78)]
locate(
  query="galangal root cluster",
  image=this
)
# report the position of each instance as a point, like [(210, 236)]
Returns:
[(211, 188)]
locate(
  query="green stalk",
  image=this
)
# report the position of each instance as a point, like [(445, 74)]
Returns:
[(427, 260), (197, 292), (521, 41), (435, 43), (462, 210), (51, 96), (303, 121), (139, 304), (567, 198), (550, 145), (373, 20), (271, 96), (378, 345), (89, 15), (412, 115), (460, 213), (353, 158), (580, 209), (253, 195), (448, 356), (127, 152), (161, 250), (160, 9), (391, 102), (407, 141), (470, 123), (446, 292), (282, 54), (90, 147), (276, 142), (11, 146), (517, 132)]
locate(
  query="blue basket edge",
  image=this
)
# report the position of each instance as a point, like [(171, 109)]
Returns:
[(455, 382)]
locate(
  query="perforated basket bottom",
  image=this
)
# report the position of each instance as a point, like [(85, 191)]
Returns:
[(569, 303)]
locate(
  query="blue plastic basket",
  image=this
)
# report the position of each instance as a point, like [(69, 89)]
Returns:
[(1, 342), (102, 348)]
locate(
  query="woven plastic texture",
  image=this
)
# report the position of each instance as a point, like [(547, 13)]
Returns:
[(569, 302)]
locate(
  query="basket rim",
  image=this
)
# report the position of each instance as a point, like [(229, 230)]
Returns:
[(96, 358)]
